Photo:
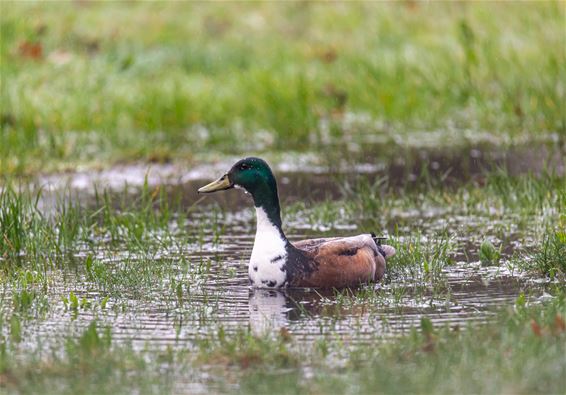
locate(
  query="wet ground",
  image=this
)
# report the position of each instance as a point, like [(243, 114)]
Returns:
[(193, 287), (401, 166), (204, 287), (155, 321)]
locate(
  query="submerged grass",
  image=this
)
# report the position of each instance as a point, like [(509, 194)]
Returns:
[(97, 81)]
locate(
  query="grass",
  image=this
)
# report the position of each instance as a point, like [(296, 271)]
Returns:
[(97, 83), (152, 223), (500, 208), (31, 234), (495, 193), (550, 259), (506, 350), (489, 255), (88, 264), (246, 350), (521, 351), (143, 230), (87, 363)]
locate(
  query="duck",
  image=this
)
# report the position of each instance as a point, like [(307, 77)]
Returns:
[(276, 262)]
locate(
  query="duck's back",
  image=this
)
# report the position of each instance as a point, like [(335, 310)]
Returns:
[(340, 262)]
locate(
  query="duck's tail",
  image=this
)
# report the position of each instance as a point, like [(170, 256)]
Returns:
[(386, 250)]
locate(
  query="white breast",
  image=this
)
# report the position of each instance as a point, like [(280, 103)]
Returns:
[(268, 254)]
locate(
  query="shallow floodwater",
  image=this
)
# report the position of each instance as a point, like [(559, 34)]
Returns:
[(190, 288), (211, 290)]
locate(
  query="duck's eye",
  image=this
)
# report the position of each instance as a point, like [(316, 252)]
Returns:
[(244, 166)]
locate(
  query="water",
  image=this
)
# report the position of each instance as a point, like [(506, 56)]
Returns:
[(160, 317), (180, 291), (201, 287)]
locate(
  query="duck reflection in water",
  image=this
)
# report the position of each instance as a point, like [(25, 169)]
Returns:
[(272, 309), (269, 310)]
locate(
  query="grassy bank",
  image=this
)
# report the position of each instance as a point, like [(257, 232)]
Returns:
[(91, 82)]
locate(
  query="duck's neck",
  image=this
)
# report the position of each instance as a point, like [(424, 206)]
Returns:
[(267, 228), (266, 201)]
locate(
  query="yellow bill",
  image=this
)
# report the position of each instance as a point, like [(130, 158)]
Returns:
[(219, 185)]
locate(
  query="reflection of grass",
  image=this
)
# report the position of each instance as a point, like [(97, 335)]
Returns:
[(98, 81), (521, 351)]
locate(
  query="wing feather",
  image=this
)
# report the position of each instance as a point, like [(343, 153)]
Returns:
[(343, 261)]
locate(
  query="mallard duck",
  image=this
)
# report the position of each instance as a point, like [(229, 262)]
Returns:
[(335, 262)]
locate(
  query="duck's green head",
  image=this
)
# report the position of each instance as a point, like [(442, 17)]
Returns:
[(255, 176), (251, 174)]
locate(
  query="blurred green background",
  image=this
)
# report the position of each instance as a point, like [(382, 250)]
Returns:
[(93, 83)]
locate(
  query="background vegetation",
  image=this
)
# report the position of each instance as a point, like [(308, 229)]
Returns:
[(92, 82)]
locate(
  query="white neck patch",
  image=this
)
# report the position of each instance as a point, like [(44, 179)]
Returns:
[(268, 254)]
